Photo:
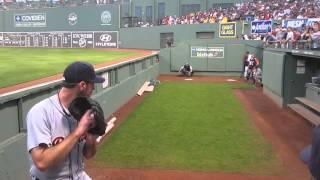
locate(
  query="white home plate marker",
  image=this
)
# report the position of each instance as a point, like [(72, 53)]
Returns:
[(188, 79), (231, 80)]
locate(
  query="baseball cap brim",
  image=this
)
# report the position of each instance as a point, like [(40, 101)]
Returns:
[(98, 79), (305, 154)]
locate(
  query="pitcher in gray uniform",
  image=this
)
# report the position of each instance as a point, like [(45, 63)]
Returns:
[(56, 142)]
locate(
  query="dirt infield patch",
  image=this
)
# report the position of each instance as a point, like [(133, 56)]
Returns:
[(287, 132)]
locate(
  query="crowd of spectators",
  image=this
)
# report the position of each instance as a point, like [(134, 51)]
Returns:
[(307, 37), (257, 10)]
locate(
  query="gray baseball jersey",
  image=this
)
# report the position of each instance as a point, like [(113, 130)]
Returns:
[(48, 122)]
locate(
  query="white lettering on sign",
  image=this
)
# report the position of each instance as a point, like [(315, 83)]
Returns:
[(82, 35), (33, 18)]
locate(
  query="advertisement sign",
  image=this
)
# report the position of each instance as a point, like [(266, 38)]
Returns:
[(30, 20), (11, 39), (106, 18), (261, 27), (227, 30), (207, 52), (82, 39), (72, 19), (310, 21), (294, 23), (297, 23), (91, 39), (106, 39), (66, 39), (249, 18)]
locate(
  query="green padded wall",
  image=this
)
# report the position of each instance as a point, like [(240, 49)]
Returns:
[(171, 59), (234, 55), (2, 25), (164, 56), (9, 124), (149, 38), (14, 158), (273, 67)]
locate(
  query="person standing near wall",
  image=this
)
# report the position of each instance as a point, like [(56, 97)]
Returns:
[(244, 63), (57, 142), (315, 36)]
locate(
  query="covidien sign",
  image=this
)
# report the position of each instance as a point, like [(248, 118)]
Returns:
[(30, 20)]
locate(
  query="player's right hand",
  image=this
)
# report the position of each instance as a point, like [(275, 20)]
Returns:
[(85, 123)]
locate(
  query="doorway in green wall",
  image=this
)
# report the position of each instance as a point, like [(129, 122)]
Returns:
[(166, 39)]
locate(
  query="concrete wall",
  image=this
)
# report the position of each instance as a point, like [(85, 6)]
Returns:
[(124, 79)]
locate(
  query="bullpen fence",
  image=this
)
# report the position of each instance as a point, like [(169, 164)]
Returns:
[(60, 39), (123, 80)]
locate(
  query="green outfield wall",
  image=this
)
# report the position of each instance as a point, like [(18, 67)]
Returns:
[(81, 18), (100, 17), (123, 82)]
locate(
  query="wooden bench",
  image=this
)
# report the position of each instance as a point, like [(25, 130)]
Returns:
[(313, 118), (143, 88), (110, 125), (310, 104)]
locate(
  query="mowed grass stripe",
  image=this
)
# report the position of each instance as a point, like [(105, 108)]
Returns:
[(24, 64), (191, 126)]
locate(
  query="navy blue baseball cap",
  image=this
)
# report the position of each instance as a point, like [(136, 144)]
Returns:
[(81, 71), (305, 154)]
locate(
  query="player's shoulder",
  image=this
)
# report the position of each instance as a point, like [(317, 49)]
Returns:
[(43, 105)]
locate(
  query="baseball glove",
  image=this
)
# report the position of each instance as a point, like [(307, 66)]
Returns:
[(80, 105)]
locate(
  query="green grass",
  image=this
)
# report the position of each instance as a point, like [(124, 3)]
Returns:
[(24, 64), (190, 126)]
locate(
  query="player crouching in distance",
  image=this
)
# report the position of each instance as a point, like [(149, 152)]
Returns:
[(186, 70)]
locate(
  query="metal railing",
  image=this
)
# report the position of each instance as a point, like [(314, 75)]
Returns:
[(299, 44)]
